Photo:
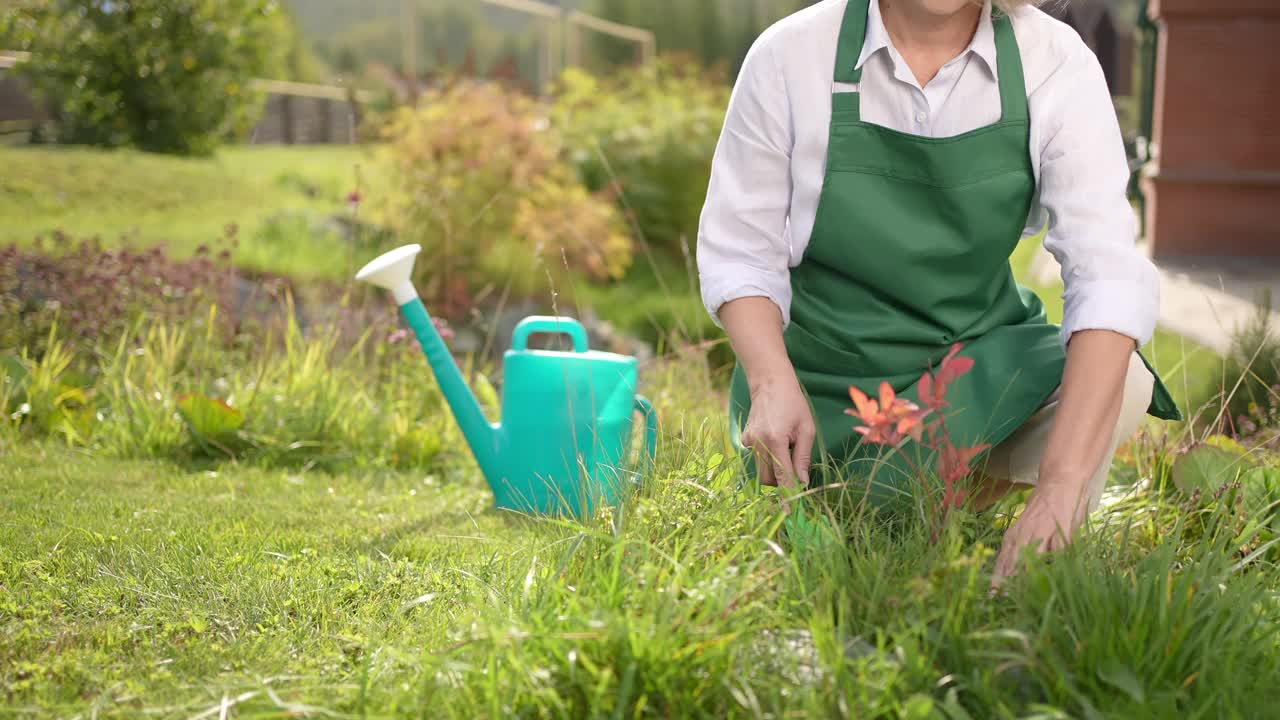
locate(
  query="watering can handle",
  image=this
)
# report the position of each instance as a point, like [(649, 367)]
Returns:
[(644, 407), (552, 325)]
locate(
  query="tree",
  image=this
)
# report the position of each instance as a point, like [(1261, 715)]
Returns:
[(302, 63), (711, 32), (168, 76), (750, 32)]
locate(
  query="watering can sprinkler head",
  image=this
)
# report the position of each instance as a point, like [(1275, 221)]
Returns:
[(392, 272)]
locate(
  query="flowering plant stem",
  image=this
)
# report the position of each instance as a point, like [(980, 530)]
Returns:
[(891, 421)]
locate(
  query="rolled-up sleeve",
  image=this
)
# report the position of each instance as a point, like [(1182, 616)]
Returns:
[(743, 250), (1084, 176)]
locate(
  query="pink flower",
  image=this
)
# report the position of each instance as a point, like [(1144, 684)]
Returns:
[(353, 200), (397, 337)]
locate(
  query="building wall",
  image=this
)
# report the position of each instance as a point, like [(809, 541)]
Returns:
[(1215, 184)]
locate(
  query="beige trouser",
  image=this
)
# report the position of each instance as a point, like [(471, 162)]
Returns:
[(1017, 460)]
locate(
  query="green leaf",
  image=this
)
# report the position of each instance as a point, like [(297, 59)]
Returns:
[(810, 532), (1206, 468), (487, 394), (209, 418), (1123, 679), (13, 372), (198, 624), (918, 707), (1262, 491), (1223, 442)]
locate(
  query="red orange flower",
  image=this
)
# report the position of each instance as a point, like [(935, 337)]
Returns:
[(953, 463), (934, 386), (953, 467), (889, 420)]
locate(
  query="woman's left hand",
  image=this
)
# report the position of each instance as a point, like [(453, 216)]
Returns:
[(1092, 393), (1049, 523)]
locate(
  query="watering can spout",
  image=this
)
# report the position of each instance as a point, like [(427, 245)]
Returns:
[(393, 272)]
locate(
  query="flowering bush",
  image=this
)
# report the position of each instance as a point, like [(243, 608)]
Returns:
[(482, 186), (649, 133), (890, 421)]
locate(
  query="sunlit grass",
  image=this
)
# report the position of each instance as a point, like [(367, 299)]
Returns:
[(143, 587), (279, 197), (312, 577), (348, 562)]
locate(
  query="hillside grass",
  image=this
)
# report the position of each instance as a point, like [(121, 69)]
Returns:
[(281, 199)]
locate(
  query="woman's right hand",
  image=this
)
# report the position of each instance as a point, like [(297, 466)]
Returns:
[(780, 427), (780, 430)]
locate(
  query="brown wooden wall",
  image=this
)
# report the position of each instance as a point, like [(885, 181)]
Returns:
[(1214, 188)]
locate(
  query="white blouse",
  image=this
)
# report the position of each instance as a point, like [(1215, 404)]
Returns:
[(771, 159)]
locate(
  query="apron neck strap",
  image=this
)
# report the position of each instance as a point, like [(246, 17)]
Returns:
[(1013, 93), (853, 34), (1013, 86)]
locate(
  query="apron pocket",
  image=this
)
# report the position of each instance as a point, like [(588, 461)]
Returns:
[(808, 352)]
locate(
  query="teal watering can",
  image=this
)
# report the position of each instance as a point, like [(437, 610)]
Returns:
[(563, 444)]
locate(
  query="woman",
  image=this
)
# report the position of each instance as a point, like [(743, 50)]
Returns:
[(880, 161)]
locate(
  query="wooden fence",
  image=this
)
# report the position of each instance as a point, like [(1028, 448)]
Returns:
[(298, 114)]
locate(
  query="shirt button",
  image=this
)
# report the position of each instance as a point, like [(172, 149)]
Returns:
[(921, 117)]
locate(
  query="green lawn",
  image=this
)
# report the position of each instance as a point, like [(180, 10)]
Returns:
[(142, 588), (285, 202), (122, 583), (269, 588)]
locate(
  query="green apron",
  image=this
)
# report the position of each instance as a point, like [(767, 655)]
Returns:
[(909, 255)]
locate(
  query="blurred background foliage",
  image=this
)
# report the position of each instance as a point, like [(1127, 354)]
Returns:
[(482, 182), (348, 36), (648, 134), (160, 75), (584, 201)]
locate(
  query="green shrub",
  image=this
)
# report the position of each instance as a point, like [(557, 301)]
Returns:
[(162, 75), (1253, 376), (481, 185), (649, 135)]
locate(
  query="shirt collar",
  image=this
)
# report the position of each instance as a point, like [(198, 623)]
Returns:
[(983, 44)]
